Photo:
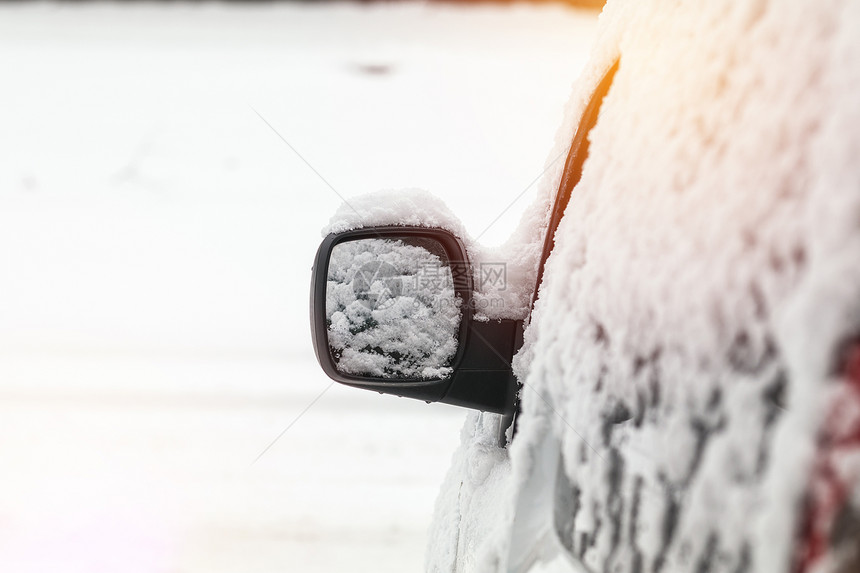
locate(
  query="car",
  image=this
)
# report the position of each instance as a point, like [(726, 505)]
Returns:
[(668, 378)]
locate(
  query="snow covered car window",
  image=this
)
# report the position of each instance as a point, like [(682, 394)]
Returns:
[(391, 308)]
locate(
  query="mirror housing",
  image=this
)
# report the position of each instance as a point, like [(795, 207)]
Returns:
[(480, 371)]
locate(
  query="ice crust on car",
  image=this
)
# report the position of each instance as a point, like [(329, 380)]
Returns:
[(680, 357)]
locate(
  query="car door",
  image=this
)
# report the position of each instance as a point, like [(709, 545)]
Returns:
[(691, 361)]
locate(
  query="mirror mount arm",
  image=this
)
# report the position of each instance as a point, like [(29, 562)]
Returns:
[(485, 375)]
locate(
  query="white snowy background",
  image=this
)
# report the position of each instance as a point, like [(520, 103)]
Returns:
[(156, 238)]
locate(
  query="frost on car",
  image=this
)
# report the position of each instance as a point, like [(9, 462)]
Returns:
[(685, 359), (690, 373)]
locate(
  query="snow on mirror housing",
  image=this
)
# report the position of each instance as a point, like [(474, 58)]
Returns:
[(391, 311)]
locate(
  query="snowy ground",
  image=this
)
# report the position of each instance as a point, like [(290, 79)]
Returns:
[(155, 244)]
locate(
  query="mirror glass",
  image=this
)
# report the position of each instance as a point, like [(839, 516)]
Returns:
[(391, 308)]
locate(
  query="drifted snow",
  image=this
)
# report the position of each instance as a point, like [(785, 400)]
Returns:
[(680, 354)]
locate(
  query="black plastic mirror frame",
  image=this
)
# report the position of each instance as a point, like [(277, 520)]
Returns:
[(482, 378)]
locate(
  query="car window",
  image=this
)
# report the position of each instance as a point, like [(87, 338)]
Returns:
[(573, 168)]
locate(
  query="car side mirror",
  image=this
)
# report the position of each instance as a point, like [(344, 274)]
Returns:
[(391, 311)]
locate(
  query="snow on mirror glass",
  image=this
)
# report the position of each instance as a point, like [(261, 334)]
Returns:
[(391, 308)]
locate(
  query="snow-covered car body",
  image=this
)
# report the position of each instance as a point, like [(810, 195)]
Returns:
[(691, 389), (690, 373)]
